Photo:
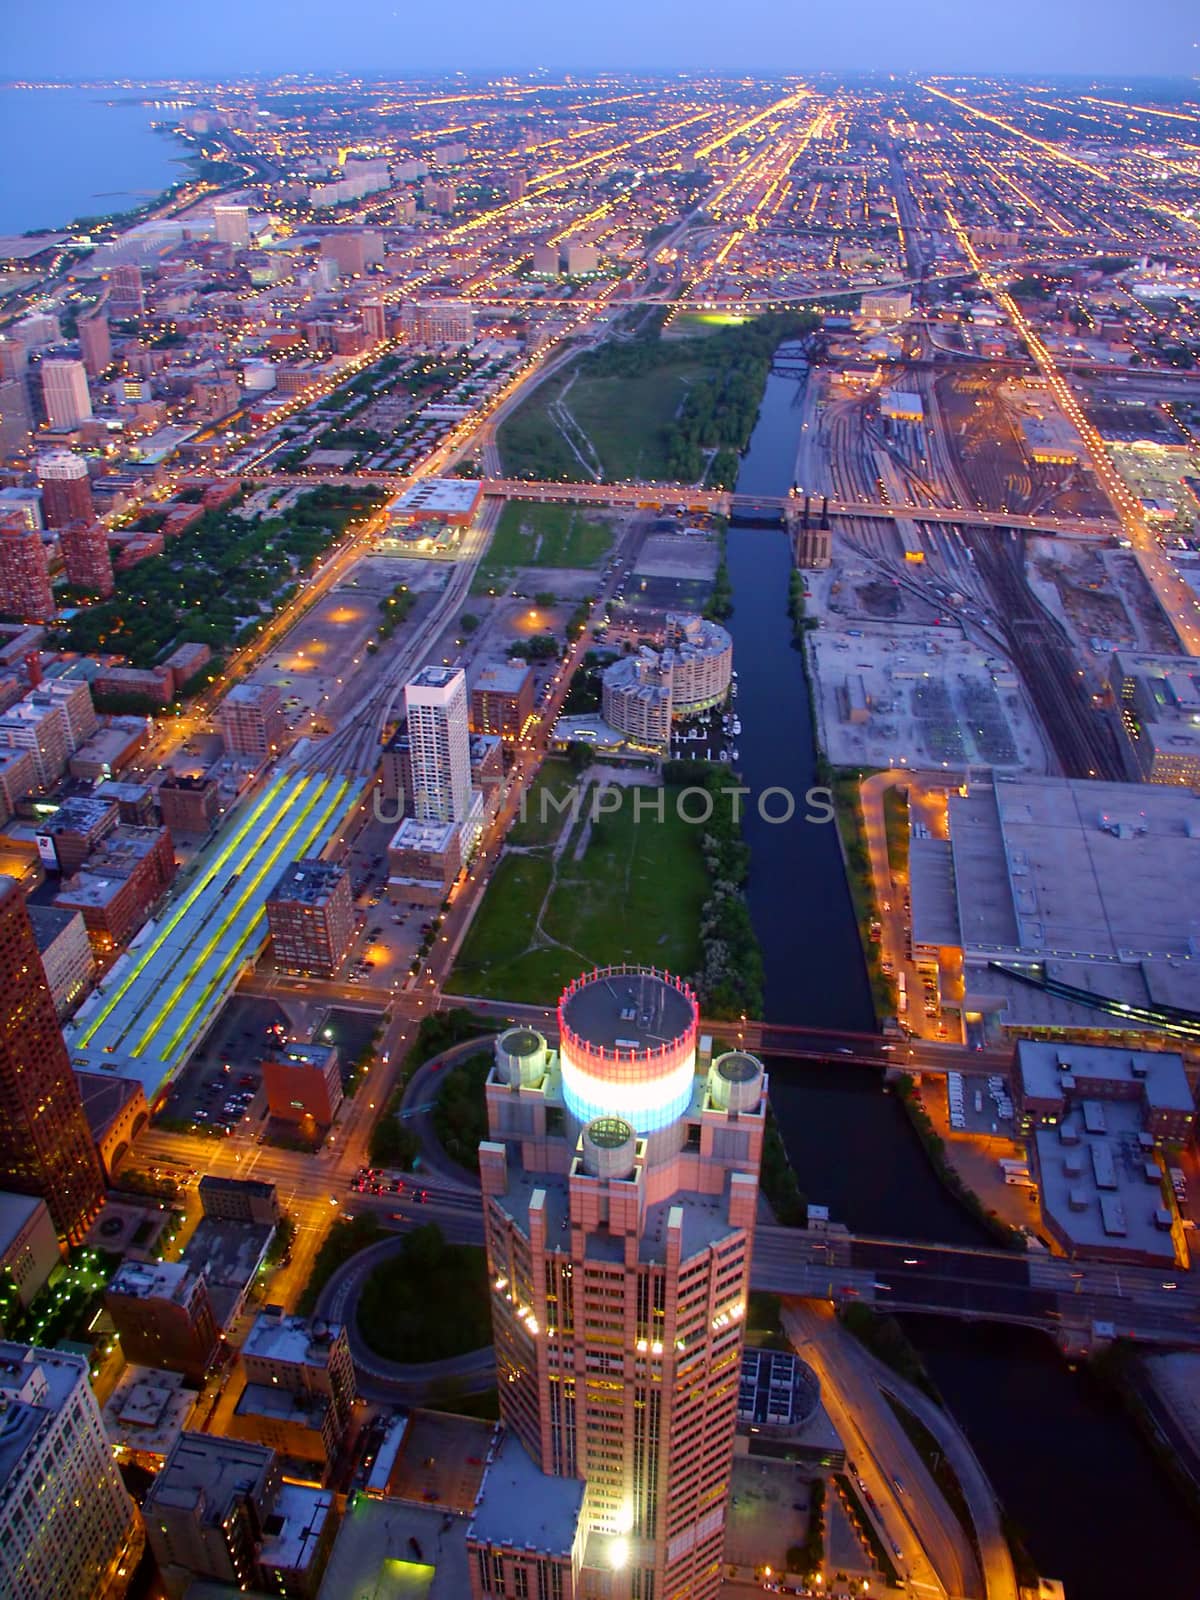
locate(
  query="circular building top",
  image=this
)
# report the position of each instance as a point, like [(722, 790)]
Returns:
[(627, 1009), (609, 1148), (738, 1067), (735, 1081), (609, 1133), (520, 1057), (521, 1042), (627, 1046)]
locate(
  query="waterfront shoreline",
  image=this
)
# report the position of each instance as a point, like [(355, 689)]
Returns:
[(128, 159)]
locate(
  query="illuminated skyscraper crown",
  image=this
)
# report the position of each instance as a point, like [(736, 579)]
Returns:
[(627, 1046)]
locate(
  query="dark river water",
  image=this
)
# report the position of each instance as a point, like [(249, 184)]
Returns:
[(797, 891), (1093, 1507)]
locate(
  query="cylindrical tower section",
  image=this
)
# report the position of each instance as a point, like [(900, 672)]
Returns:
[(735, 1081), (609, 1148), (627, 1046), (521, 1057)]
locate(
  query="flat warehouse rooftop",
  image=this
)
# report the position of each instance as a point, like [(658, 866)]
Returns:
[(1079, 870)]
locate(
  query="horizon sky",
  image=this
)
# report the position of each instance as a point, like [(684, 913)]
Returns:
[(142, 38)]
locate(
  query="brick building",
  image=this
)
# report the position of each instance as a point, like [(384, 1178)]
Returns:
[(163, 1316), (25, 591), (120, 883), (502, 701), (188, 803), (310, 913)]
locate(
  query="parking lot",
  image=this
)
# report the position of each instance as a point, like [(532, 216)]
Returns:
[(222, 1082), (978, 1107)]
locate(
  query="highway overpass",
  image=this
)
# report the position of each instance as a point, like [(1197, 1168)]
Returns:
[(674, 497), (1065, 1298)]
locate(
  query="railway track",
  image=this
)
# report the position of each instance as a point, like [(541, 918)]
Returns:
[(1082, 741)]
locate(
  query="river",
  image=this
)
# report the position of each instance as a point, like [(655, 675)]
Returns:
[(1074, 1475), (71, 153), (799, 899)]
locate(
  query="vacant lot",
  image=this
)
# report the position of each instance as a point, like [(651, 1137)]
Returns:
[(533, 535)]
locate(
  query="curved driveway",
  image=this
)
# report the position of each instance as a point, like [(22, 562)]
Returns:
[(410, 1382), (416, 1107), (406, 1383)]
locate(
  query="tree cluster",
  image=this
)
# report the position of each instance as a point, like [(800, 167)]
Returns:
[(215, 582), (731, 977)]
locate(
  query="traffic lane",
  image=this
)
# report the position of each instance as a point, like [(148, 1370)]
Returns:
[(416, 1196), (1179, 1319), (916, 1524), (968, 1299), (925, 1261), (459, 1227)]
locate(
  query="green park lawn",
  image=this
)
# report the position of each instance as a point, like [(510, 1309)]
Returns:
[(541, 824), (531, 446), (626, 418), (636, 896)]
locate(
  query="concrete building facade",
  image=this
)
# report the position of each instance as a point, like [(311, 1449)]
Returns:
[(65, 392), (644, 693), (252, 720), (29, 1249), (66, 953), (66, 1518), (1158, 699), (306, 1362), (636, 699), (207, 1510), (439, 734)]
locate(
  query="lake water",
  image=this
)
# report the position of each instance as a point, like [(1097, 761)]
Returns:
[(67, 153)]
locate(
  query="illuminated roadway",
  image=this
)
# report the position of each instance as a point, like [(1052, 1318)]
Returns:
[(308, 1184), (920, 1529)]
